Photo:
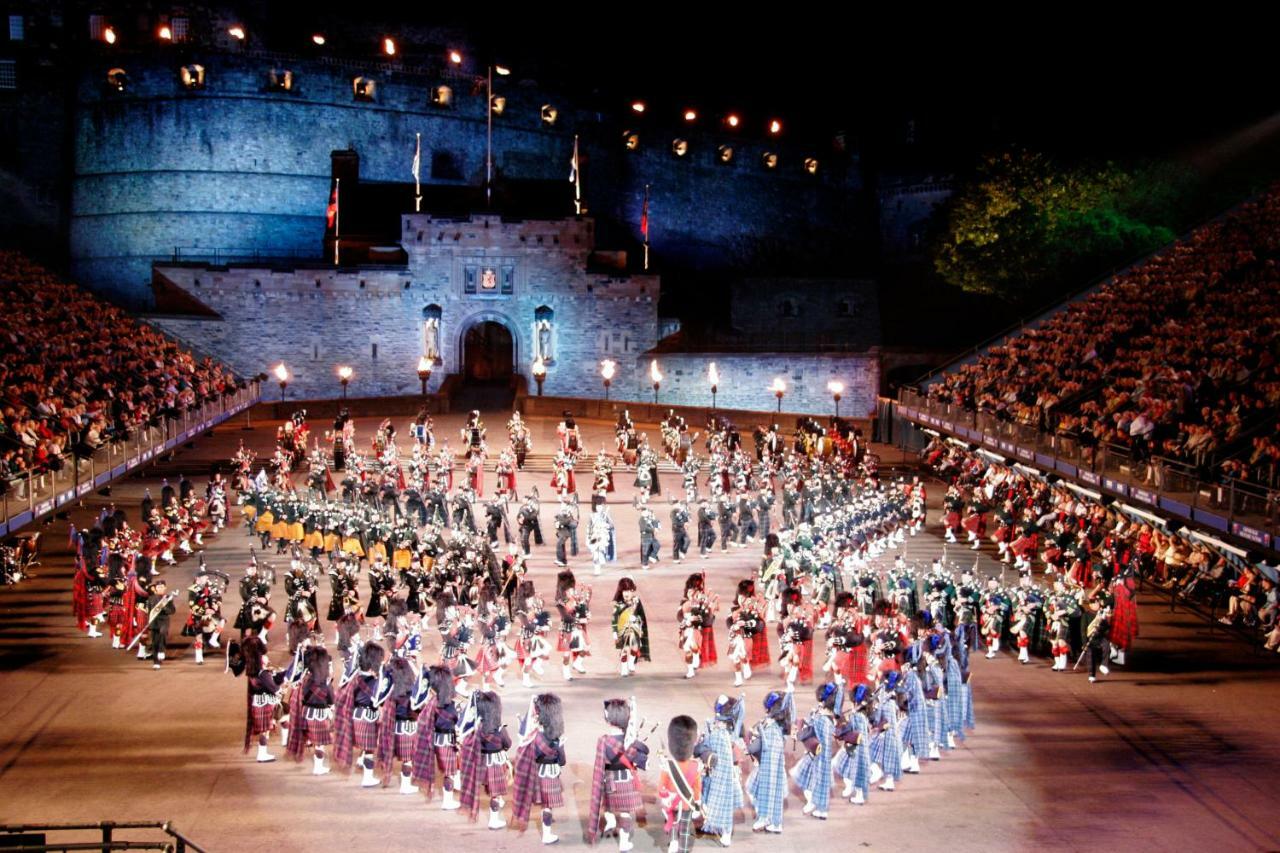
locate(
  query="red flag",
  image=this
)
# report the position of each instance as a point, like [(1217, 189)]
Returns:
[(331, 213), (644, 216)]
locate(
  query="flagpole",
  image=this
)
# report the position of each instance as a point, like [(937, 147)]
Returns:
[(417, 185), (646, 226), (488, 150), (337, 216)]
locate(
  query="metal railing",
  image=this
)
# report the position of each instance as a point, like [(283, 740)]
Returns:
[(32, 495), (33, 837), (223, 255), (1227, 504)]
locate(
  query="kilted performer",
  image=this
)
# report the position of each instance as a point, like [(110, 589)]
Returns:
[(436, 747), (400, 703), (484, 760), (360, 723), (311, 709), (767, 784), (680, 784), (630, 627), (853, 762), (574, 607), (263, 696), (722, 789), (615, 793), (602, 540), (539, 763), (813, 772), (886, 742), (1124, 617)]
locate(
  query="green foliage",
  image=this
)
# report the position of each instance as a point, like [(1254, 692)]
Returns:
[(1025, 225)]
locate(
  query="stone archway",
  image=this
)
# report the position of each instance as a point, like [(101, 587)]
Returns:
[(488, 352)]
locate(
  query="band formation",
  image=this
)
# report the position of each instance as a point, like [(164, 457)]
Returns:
[(431, 612)]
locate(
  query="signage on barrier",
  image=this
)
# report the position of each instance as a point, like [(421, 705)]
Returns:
[(1145, 495), (1244, 531), (42, 508), (1026, 455), (1090, 477), (64, 497), (1115, 485), (990, 441), (85, 488)]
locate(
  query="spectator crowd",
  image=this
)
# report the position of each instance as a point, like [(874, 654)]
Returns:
[(78, 372), (1175, 357)]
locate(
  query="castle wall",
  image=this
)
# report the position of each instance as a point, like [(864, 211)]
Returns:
[(160, 170)]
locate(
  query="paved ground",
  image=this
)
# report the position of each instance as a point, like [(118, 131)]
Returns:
[(1174, 752)]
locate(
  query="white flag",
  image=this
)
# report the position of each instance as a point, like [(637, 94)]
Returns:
[(417, 158)]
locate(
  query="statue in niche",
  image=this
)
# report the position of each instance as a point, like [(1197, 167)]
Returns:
[(543, 341), (431, 339)]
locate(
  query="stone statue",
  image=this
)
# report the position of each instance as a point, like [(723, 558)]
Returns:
[(431, 346), (544, 340)]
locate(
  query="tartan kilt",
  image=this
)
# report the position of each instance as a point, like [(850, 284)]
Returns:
[(447, 760), (760, 649), (708, 651), (494, 779), (318, 732), (843, 763), (562, 641), (974, 524), (622, 795), (94, 607), (365, 735), (406, 738), (549, 793), (1023, 546), (262, 719), (951, 519)]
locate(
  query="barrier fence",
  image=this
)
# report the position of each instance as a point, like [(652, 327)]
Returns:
[(1246, 511), (31, 496)]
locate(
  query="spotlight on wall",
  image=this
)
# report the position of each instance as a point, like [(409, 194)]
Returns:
[(236, 32), (498, 104), (680, 147), (318, 39), (455, 57), (811, 165), (192, 76), (549, 114), (637, 106), (775, 127), (117, 79), (502, 70), (690, 115), (280, 80), (724, 154), (165, 33), (389, 46), (769, 160), (630, 140), (109, 35), (732, 120), (442, 96)]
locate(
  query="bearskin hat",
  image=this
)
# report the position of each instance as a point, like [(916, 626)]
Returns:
[(441, 680), (564, 582), (682, 732), (617, 712), (371, 657), (746, 588), (549, 712), (624, 585), (488, 711)]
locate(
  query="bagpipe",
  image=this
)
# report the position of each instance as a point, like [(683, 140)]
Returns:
[(152, 615)]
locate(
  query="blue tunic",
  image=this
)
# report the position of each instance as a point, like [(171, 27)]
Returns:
[(721, 792)]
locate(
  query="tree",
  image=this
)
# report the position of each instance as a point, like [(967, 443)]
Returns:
[(1025, 225)]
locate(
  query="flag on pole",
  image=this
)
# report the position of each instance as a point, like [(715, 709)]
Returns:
[(575, 178), (644, 225), (417, 165)]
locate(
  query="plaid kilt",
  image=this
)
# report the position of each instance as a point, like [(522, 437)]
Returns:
[(365, 735), (262, 719), (406, 737), (447, 760), (813, 772), (622, 795), (494, 778), (760, 649), (707, 655), (549, 792), (966, 690), (917, 734), (318, 732), (562, 640), (844, 764), (936, 714)]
